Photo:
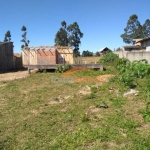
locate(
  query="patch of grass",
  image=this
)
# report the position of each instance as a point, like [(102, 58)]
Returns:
[(89, 72), (32, 116), (146, 113), (84, 118), (101, 104), (118, 102), (90, 96), (94, 89)]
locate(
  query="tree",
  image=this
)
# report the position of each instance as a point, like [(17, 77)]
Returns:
[(24, 39), (74, 37), (118, 49), (87, 53), (62, 35), (7, 37), (146, 27), (69, 36), (97, 54), (133, 30)]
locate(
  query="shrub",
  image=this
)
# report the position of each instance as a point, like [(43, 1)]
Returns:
[(146, 113), (62, 68), (129, 71), (121, 64), (109, 57)]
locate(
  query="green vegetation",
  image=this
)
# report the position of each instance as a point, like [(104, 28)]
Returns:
[(24, 39), (37, 113), (146, 113), (130, 71), (62, 68), (7, 37), (109, 57), (134, 29), (87, 53), (90, 72), (69, 36)]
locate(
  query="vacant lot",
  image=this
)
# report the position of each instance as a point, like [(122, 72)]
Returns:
[(55, 111)]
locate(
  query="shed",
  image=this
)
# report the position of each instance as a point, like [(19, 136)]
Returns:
[(104, 50), (6, 56), (47, 55)]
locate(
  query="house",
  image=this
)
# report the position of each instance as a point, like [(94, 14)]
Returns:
[(47, 55), (104, 50), (140, 45), (133, 48), (140, 50), (143, 42), (6, 56)]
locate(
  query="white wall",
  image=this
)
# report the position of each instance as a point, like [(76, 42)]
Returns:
[(134, 55)]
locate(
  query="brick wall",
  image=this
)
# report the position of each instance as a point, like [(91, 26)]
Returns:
[(46, 57)]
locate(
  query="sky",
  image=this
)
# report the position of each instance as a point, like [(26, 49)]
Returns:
[(101, 21)]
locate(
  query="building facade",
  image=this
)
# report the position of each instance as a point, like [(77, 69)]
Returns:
[(47, 55)]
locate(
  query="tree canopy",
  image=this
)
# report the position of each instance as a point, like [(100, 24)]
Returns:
[(69, 36), (97, 54), (24, 39), (7, 37), (134, 29), (87, 53), (62, 35)]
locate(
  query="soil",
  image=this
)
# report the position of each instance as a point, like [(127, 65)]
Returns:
[(101, 78), (73, 70), (14, 75)]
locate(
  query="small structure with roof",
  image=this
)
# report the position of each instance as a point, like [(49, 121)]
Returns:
[(133, 48), (47, 55), (6, 56), (145, 42), (104, 51), (142, 42), (140, 50)]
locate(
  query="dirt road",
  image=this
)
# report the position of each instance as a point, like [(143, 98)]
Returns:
[(13, 75)]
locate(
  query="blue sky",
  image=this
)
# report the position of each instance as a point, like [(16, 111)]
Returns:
[(101, 21)]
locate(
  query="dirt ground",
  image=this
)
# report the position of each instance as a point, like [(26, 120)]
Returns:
[(13, 75), (22, 74)]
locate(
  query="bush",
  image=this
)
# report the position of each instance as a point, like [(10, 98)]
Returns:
[(109, 57), (129, 71), (121, 64), (62, 68), (138, 69), (146, 113)]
